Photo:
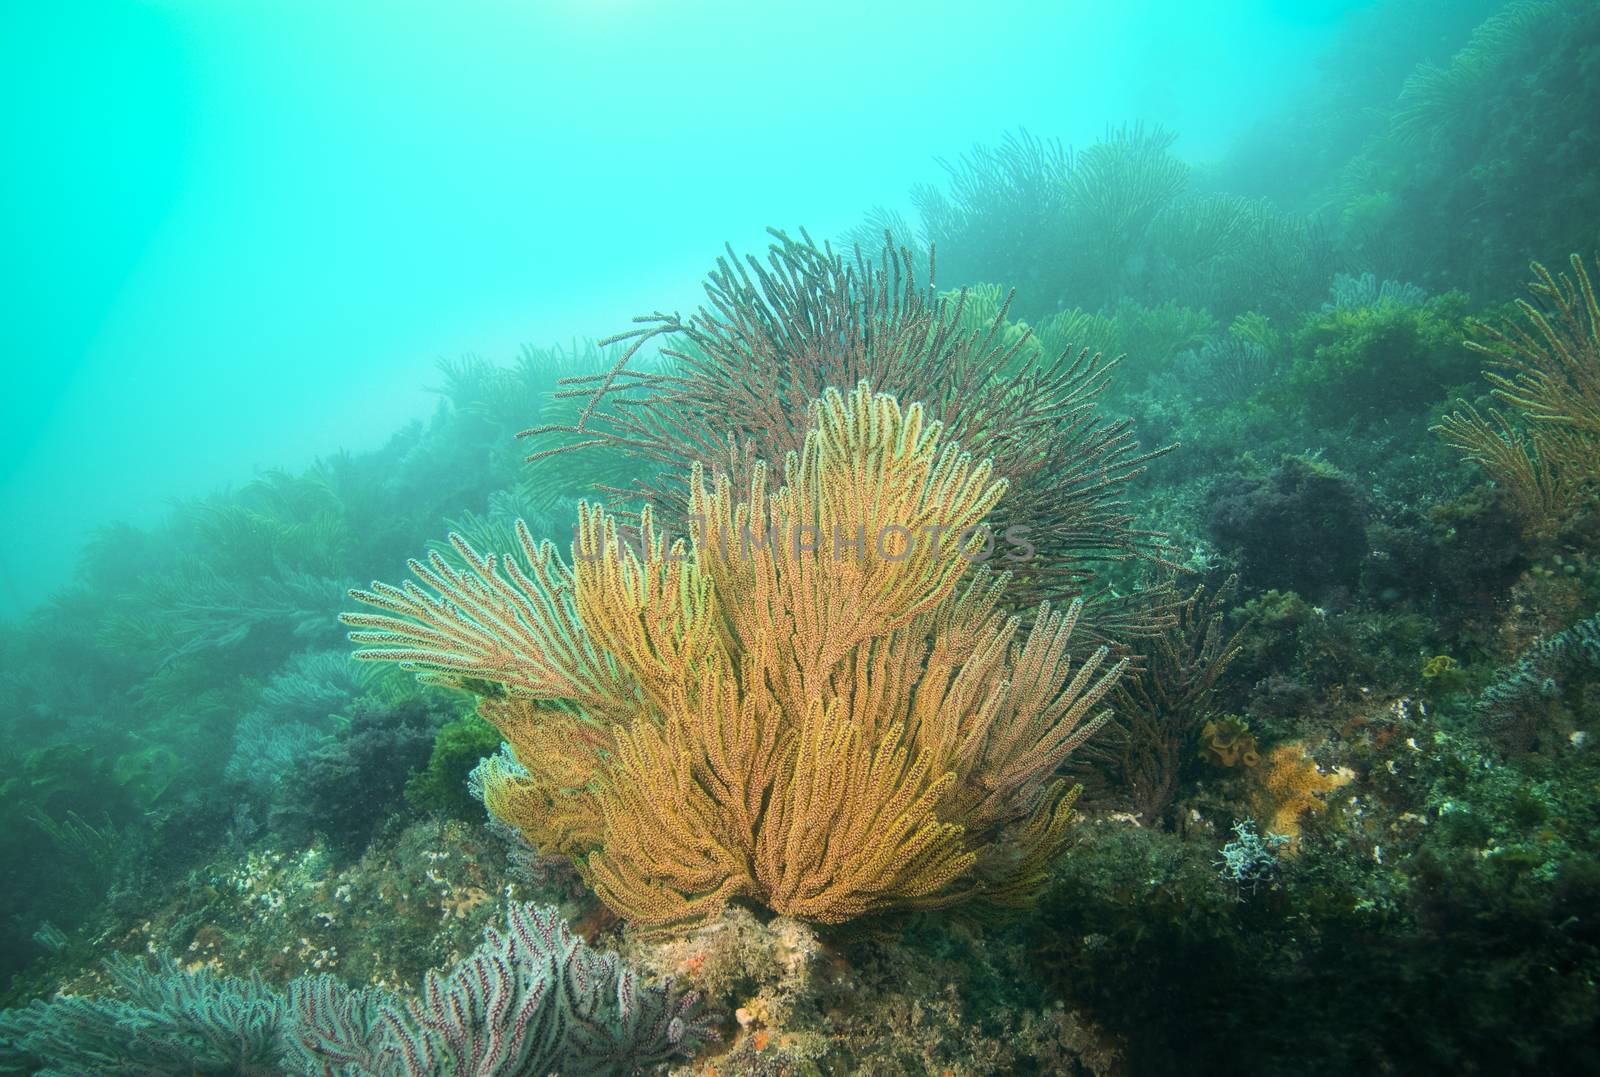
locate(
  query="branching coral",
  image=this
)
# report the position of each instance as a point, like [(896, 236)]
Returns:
[(1438, 99), (1500, 135), (1114, 222), (1509, 706), (171, 1022), (1553, 369), (1120, 185), (812, 701), (498, 400), (1546, 452), (1225, 370), (742, 371), (1062, 225), (1007, 212), (533, 999), (1350, 292), (1162, 707)]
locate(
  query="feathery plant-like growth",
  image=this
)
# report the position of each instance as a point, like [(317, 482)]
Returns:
[(1545, 449), (1161, 708), (1538, 676), (505, 397), (531, 1000), (1350, 292), (1438, 98), (167, 1021), (1114, 222), (812, 701), (1483, 157), (740, 374)]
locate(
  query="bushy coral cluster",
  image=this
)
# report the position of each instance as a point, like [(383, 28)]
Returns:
[(764, 711), (533, 999)]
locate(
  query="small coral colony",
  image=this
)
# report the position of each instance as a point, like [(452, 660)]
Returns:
[(1050, 639)]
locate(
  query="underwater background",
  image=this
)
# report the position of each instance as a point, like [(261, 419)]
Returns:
[(1033, 538)]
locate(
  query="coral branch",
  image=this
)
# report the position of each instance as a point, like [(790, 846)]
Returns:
[(813, 700)]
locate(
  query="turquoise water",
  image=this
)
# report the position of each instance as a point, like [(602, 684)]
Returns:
[(306, 208)]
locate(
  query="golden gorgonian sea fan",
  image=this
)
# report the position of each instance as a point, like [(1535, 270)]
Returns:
[(1544, 448), (813, 701)]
